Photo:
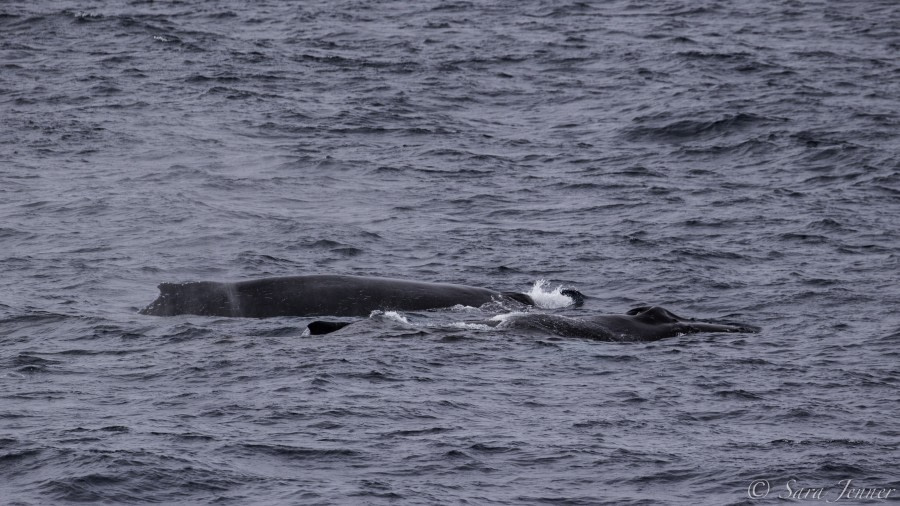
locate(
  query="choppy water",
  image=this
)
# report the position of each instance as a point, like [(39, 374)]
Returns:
[(718, 158)]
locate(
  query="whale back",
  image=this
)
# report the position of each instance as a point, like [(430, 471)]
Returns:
[(648, 323), (351, 296), (318, 295), (196, 297)]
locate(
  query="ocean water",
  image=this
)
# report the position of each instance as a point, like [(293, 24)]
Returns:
[(719, 158)]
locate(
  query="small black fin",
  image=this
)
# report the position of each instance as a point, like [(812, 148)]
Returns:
[(576, 296), (318, 327)]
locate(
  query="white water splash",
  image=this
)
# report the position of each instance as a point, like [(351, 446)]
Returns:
[(470, 326), (505, 317), (390, 315), (461, 308), (546, 298)]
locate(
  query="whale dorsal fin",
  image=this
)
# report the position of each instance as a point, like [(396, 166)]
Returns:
[(654, 314), (167, 287), (576, 296), (318, 327)]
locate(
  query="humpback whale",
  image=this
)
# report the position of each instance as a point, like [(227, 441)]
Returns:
[(647, 323), (321, 295)]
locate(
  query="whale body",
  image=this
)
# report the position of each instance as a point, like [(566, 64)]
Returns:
[(319, 295), (647, 323)]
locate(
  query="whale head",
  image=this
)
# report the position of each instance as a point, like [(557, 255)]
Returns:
[(663, 318)]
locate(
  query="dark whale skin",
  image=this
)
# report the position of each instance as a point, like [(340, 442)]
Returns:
[(316, 295), (648, 323)]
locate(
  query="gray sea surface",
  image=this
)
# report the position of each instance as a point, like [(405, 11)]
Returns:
[(720, 158)]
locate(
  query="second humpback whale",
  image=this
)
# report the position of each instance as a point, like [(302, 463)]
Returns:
[(648, 323), (321, 295)]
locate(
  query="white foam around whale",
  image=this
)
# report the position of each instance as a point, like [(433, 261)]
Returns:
[(390, 315), (470, 326), (503, 318), (547, 298)]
